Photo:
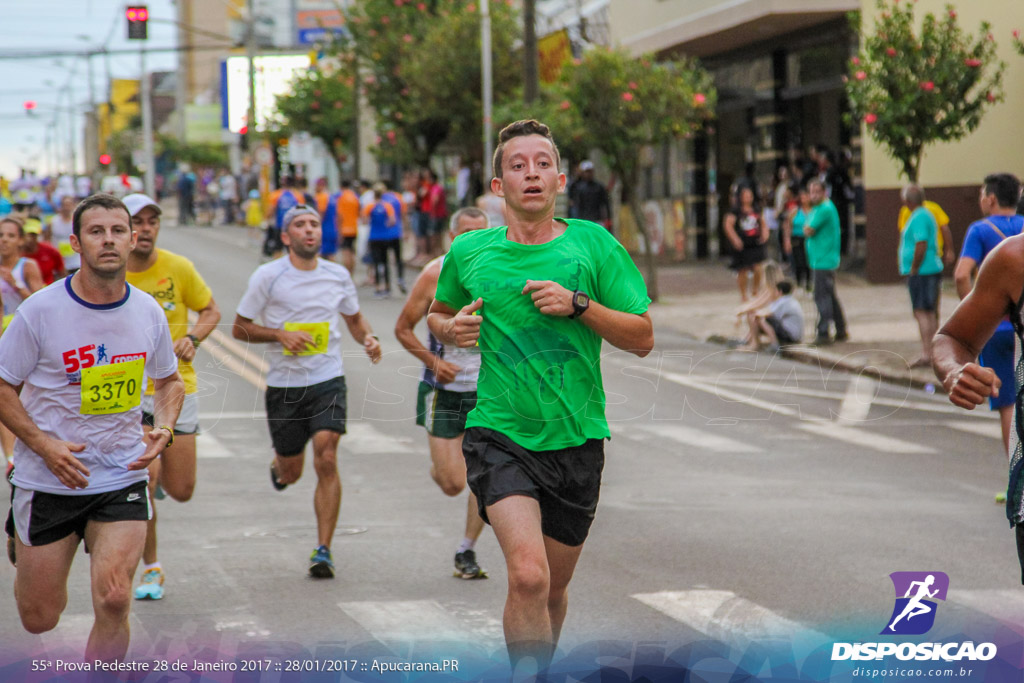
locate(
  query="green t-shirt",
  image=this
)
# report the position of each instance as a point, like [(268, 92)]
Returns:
[(540, 376), (920, 228), (823, 247)]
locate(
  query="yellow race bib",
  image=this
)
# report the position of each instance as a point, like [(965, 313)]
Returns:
[(320, 332), (114, 388), (65, 249), (6, 321)]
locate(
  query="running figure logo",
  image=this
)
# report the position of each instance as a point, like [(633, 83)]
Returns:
[(101, 353), (914, 612)]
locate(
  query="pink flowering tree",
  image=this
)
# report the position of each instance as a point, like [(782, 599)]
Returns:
[(914, 87), (619, 104)]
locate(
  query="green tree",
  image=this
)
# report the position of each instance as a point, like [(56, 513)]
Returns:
[(618, 104), (419, 64), (322, 103), (914, 87)]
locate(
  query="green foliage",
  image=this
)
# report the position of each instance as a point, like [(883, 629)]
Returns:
[(916, 87), (419, 64), (196, 154), (321, 103), (611, 101)]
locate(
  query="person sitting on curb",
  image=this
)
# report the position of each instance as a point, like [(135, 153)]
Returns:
[(782, 321)]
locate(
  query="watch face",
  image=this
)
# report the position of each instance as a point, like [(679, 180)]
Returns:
[(582, 300)]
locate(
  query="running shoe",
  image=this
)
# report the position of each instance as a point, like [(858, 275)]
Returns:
[(278, 486), (320, 564), (152, 586), (466, 566), (159, 493), (1001, 498)]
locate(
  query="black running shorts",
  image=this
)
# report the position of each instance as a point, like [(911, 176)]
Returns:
[(44, 518), (565, 482), (295, 414)]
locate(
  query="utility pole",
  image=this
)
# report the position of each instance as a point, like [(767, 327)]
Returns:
[(530, 67), (486, 67), (250, 53), (149, 179), (72, 133)]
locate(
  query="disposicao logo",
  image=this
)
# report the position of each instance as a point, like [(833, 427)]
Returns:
[(913, 615), (914, 612)]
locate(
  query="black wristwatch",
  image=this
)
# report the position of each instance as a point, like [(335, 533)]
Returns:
[(580, 304), (195, 340)]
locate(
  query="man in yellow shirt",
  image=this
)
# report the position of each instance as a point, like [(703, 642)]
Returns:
[(173, 281), (943, 238)]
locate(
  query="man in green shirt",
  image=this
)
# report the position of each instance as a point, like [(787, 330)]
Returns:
[(538, 296), (822, 235), (921, 264)]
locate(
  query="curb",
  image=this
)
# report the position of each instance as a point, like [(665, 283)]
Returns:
[(811, 355)]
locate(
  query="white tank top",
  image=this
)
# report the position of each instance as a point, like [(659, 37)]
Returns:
[(10, 295), (467, 359)]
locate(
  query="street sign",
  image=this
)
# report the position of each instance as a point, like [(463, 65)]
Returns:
[(310, 36)]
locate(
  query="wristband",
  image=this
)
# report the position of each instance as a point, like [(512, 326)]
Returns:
[(169, 431), (195, 340)]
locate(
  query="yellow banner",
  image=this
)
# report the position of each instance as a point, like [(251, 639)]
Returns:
[(555, 50)]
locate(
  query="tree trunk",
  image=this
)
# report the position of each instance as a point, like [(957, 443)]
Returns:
[(530, 67), (650, 262)]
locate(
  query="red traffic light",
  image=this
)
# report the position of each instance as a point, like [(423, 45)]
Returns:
[(105, 159), (138, 16), (30, 105), (243, 130)]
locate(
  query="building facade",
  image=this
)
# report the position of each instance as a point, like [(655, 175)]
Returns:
[(951, 173), (777, 66)]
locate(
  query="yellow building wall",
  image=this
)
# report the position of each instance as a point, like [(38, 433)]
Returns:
[(630, 17), (997, 143)]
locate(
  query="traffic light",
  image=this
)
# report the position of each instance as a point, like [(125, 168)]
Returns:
[(105, 159), (30, 107), (138, 16)]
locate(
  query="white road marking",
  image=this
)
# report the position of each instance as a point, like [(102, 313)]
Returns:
[(725, 616), (988, 428), (860, 393), (364, 437), (863, 437), (699, 439), (418, 620), (1006, 606), (209, 446)]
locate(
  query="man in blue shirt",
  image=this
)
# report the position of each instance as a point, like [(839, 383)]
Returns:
[(920, 262), (998, 202)]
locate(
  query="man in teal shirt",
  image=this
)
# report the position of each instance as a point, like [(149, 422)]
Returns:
[(823, 238), (921, 263), (538, 296)]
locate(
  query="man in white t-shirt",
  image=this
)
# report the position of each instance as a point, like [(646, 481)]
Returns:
[(298, 298), (58, 233), (83, 348)]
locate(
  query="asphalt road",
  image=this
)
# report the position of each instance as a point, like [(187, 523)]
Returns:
[(744, 497)]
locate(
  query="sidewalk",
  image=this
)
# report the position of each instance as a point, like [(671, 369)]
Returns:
[(699, 300)]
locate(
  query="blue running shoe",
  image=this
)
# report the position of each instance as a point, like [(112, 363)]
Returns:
[(320, 564), (152, 586)]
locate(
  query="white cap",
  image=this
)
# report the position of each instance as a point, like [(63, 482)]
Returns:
[(137, 202), (586, 166)]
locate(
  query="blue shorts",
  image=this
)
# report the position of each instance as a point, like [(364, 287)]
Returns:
[(998, 354), (924, 291)]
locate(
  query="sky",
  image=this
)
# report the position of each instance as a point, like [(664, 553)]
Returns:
[(33, 26)]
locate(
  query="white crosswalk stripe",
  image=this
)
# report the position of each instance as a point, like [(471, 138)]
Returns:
[(1006, 606), (989, 428), (700, 440), (209, 446), (727, 617), (863, 437), (424, 621)]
